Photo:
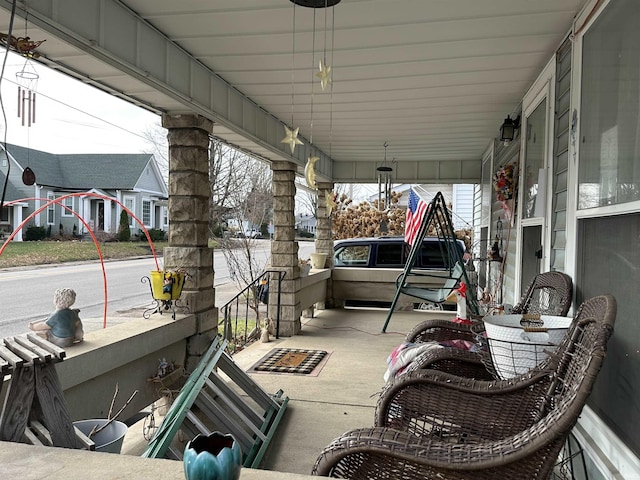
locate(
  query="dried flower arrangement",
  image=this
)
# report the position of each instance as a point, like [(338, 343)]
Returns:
[(305, 266)]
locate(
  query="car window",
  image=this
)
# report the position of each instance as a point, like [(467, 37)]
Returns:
[(354, 255), (390, 254), (435, 255)]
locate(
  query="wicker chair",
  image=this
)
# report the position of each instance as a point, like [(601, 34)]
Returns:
[(549, 293), (432, 424)]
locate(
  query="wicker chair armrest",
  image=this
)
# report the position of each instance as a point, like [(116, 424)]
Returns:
[(481, 387), (438, 330), (376, 453), (433, 403), (463, 363)]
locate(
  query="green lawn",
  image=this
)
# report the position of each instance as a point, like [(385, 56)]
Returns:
[(18, 254)]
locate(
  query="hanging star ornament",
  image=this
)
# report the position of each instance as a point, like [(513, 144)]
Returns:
[(329, 198), (324, 75), (291, 138)]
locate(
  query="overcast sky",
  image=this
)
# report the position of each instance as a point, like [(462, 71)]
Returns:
[(71, 117)]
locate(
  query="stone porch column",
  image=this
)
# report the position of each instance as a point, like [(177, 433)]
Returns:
[(284, 248), (324, 237), (189, 224)]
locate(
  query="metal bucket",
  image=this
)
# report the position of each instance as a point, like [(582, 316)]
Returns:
[(109, 439)]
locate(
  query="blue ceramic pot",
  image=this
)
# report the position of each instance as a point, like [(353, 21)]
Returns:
[(212, 457)]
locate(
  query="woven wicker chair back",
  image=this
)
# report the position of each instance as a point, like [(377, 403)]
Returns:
[(549, 293)]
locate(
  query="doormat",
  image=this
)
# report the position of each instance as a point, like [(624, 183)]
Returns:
[(290, 360)]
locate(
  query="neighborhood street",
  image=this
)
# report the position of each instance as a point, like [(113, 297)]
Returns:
[(27, 293)]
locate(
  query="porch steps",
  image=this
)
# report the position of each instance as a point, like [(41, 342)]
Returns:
[(219, 396)]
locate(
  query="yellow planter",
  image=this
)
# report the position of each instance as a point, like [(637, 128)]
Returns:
[(172, 279)]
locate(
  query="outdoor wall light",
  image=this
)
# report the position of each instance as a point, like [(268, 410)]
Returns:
[(508, 129)]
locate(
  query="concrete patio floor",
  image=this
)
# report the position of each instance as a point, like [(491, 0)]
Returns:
[(339, 395)]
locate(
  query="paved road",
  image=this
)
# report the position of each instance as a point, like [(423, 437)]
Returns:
[(26, 294)]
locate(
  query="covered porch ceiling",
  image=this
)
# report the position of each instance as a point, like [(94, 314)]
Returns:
[(432, 79)]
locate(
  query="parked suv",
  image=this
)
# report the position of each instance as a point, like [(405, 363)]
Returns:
[(392, 252)]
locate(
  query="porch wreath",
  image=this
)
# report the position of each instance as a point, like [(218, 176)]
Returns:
[(504, 183)]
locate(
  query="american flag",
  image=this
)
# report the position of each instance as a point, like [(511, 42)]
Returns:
[(416, 210)]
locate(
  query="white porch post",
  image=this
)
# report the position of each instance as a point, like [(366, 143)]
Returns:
[(86, 211), (37, 204), (107, 215), (80, 213), (118, 209), (17, 220)]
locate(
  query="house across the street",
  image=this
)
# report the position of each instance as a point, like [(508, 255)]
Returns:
[(106, 181)]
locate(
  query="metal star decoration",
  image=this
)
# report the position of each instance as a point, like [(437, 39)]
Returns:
[(330, 202), (291, 138), (324, 75)]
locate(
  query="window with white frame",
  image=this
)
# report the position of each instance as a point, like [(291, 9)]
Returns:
[(534, 170), (130, 204), (165, 217), (146, 212), (609, 168), (68, 212), (51, 212), (608, 249)]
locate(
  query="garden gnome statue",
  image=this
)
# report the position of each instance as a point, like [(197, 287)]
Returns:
[(63, 327), (266, 330), (459, 296)]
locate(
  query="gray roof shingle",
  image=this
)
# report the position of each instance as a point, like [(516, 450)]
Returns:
[(83, 171)]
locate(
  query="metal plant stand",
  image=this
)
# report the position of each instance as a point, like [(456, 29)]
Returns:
[(166, 288)]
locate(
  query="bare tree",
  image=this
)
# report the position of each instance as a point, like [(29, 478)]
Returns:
[(225, 176), (156, 138), (240, 195), (307, 199)]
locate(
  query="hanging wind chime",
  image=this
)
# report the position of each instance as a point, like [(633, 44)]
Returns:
[(27, 80), (324, 69), (324, 75), (384, 182), (309, 169)]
